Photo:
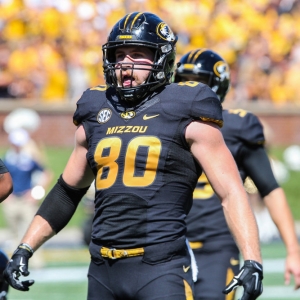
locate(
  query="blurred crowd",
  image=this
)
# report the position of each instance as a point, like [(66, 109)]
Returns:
[(51, 49)]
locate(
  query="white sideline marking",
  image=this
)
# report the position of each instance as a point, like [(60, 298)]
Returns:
[(71, 274), (273, 265), (275, 292), (79, 274), (280, 292)]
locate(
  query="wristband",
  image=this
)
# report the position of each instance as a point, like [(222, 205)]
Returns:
[(26, 247)]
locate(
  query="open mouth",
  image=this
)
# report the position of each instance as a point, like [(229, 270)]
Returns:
[(127, 81)]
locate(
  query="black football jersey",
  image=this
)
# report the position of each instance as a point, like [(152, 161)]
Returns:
[(144, 171), (206, 221)]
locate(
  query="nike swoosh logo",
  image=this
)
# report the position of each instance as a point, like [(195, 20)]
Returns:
[(256, 279), (234, 262), (185, 269), (233, 285), (235, 281), (145, 117), (258, 267), (21, 265)]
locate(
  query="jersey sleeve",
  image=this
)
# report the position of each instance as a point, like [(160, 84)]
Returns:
[(82, 108), (207, 107), (257, 165), (89, 103), (252, 130)]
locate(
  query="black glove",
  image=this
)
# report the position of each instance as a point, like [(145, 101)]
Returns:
[(17, 266), (250, 277)]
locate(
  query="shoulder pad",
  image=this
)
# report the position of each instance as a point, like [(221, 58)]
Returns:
[(200, 102), (247, 125), (89, 103)]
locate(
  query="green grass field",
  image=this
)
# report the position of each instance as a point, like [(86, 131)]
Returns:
[(53, 291), (56, 161)]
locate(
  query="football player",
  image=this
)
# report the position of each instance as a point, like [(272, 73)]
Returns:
[(6, 188), (6, 184), (3, 284), (215, 250), (145, 141)]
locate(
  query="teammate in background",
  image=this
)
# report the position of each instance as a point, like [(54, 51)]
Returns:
[(6, 188), (215, 250), (6, 184), (30, 179), (145, 142), (3, 284)]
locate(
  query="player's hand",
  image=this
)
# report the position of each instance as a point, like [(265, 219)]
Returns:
[(17, 266), (250, 277), (292, 268)]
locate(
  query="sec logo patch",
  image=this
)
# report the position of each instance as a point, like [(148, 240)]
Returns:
[(104, 115)]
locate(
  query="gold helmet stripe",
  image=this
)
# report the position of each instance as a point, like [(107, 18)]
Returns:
[(135, 18), (191, 55), (128, 16), (197, 54), (194, 55)]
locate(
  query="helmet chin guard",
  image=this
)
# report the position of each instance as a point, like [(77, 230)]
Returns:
[(141, 30)]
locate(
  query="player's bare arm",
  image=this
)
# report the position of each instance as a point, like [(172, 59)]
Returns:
[(279, 210), (40, 230), (77, 172), (258, 165), (63, 198), (209, 148)]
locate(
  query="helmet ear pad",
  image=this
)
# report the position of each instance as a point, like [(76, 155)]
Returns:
[(141, 30), (205, 66)]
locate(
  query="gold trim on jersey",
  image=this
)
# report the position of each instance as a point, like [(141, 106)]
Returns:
[(218, 122), (100, 88), (196, 245), (188, 291)]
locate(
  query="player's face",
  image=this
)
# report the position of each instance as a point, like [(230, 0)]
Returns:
[(133, 65)]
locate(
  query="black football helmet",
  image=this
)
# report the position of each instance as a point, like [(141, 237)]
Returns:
[(205, 66), (143, 30)]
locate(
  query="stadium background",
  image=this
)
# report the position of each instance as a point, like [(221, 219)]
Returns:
[(50, 52)]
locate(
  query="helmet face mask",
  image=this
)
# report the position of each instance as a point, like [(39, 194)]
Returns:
[(205, 66), (140, 30)]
